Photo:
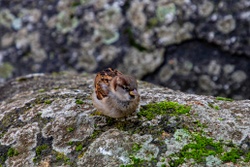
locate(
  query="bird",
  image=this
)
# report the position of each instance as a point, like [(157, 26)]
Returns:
[(115, 94)]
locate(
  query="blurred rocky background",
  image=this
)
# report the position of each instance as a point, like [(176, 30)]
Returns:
[(195, 46)]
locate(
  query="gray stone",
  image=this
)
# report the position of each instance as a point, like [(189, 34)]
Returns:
[(206, 83), (226, 25), (214, 68), (228, 68), (49, 120), (165, 73), (239, 76)]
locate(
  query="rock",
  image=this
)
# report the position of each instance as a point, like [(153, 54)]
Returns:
[(141, 63), (45, 36), (206, 83), (226, 24), (49, 120), (214, 68), (239, 76), (228, 68)]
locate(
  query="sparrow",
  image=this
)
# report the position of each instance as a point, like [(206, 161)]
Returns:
[(115, 94)]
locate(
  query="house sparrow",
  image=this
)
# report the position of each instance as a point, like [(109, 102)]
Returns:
[(115, 94)]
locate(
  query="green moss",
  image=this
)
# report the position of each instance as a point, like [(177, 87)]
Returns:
[(110, 120), (247, 157), (75, 4), (70, 129), (12, 152), (220, 119), (62, 157), (176, 161), (41, 148), (136, 147), (21, 79), (213, 106), (121, 125), (198, 150), (224, 99), (134, 162), (95, 134), (200, 125), (79, 147), (151, 110), (47, 101), (78, 101), (216, 107), (59, 156), (35, 159), (202, 147), (41, 90), (70, 143), (232, 155)]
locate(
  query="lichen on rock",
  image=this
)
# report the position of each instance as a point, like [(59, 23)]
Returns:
[(141, 63), (115, 147), (68, 129), (50, 120), (23, 140)]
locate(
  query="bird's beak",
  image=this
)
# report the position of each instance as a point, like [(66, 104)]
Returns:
[(133, 92)]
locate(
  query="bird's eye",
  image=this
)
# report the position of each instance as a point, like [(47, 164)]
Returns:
[(125, 88)]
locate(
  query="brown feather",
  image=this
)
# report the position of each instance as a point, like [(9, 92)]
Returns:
[(102, 82)]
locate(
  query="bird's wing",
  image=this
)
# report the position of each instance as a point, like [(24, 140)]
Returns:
[(102, 82)]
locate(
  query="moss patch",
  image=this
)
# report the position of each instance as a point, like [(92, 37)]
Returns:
[(223, 99), (79, 147), (134, 162), (151, 110), (78, 101), (41, 90), (12, 152), (247, 157), (40, 149), (232, 155), (136, 147), (47, 101), (198, 150), (202, 147), (70, 129), (95, 134), (214, 106)]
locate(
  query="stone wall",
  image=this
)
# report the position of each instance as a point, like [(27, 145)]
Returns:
[(195, 46)]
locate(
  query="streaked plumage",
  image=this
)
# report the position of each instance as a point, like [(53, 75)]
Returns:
[(115, 94)]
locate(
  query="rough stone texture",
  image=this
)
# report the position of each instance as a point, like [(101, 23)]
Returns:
[(183, 41), (55, 112)]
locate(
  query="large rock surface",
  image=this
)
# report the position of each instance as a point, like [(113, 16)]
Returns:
[(49, 120), (200, 47)]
